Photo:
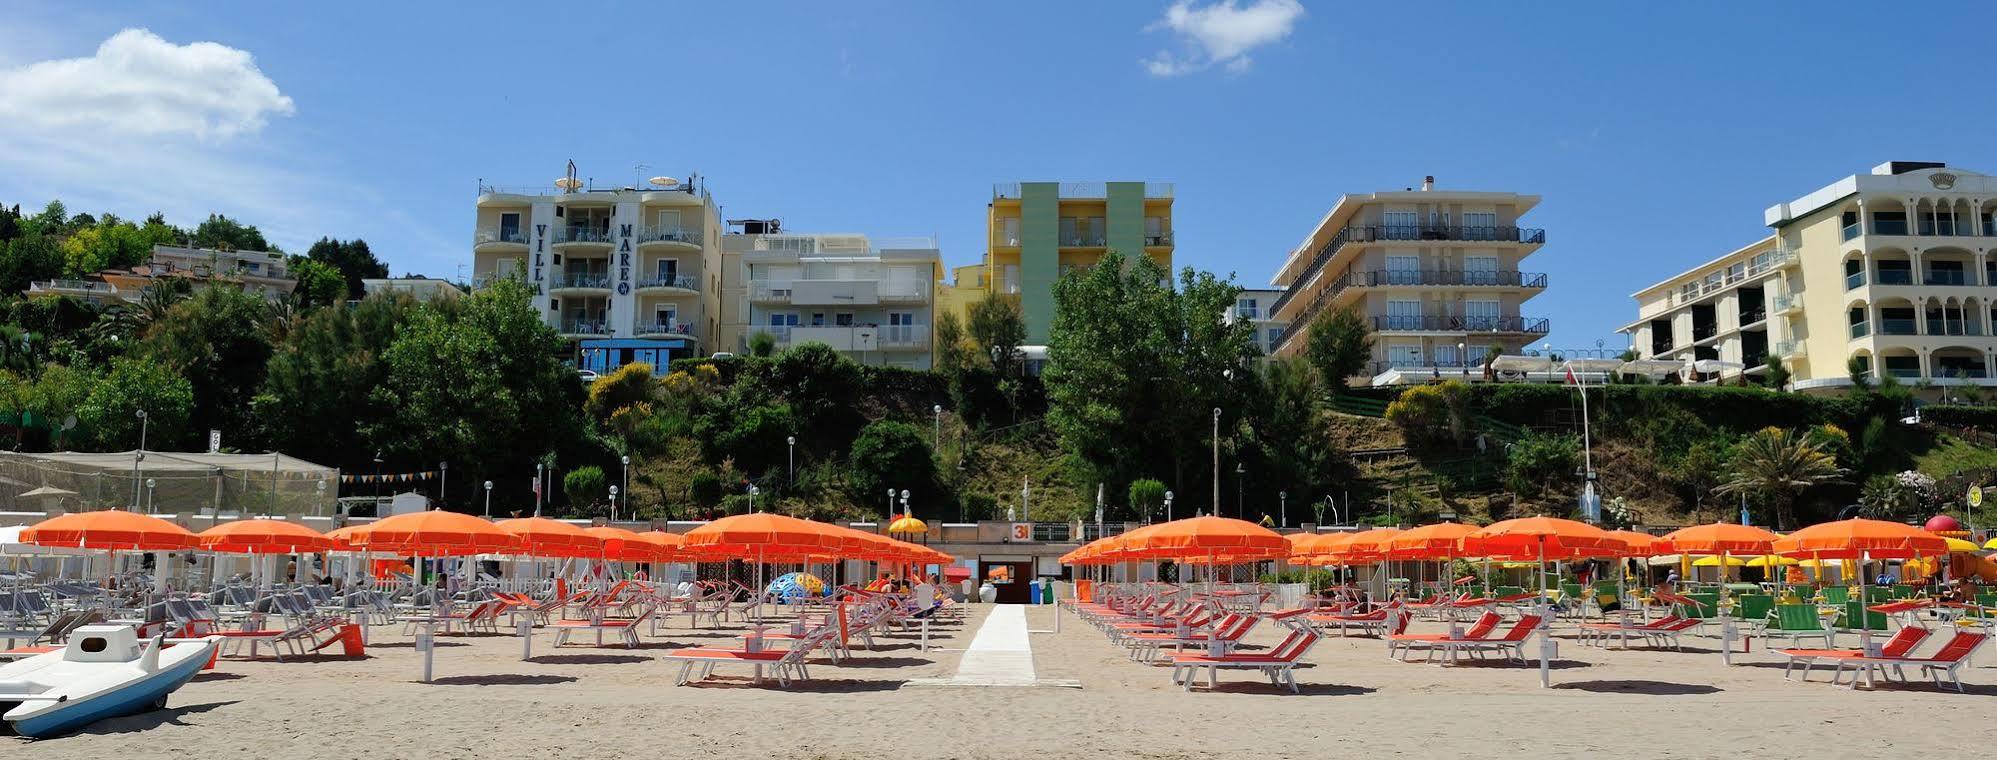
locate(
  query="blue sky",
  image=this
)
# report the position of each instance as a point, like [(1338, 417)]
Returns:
[(1656, 134)]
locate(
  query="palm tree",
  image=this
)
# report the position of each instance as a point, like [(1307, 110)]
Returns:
[(1777, 465)]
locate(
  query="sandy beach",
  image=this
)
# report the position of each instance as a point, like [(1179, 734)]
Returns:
[(583, 701)]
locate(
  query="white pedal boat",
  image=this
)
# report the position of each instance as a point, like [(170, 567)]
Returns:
[(104, 672)]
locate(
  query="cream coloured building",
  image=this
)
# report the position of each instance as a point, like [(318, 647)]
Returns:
[(873, 300), (1436, 273), (1892, 268), (622, 272)]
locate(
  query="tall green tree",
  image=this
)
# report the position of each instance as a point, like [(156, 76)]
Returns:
[(318, 389), (998, 326), (352, 258), (1777, 465), (954, 352), (216, 339), (480, 384), (586, 487), (224, 234), (319, 284), (889, 454), (1135, 368), (1338, 345), (109, 415)]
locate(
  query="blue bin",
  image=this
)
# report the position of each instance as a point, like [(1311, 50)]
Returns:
[(1033, 592)]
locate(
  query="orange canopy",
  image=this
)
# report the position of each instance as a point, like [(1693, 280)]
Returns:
[(343, 538), (1529, 538), (1439, 541), (263, 537), (1366, 546), (763, 535), (1857, 538), (620, 545), (1640, 544), (435, 533), (542, 537), (670, 547), (1208, 536), (114, 529), (1720, 538)]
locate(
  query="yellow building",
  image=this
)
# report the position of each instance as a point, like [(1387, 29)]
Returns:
[(1037, 231), (1892, 268)]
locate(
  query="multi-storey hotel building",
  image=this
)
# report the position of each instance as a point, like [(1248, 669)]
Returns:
[(1435, 273), (872, 300), (1253, 307), (1037, 231), (1890, 272), (621, 272)]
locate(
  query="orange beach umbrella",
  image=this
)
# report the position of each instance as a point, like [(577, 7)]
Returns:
[(542, 537), (114, 529), (1859, 538), (435, 533), (1719, 538), (263, 537)]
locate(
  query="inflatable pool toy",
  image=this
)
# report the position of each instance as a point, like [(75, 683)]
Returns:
[(791, 587)]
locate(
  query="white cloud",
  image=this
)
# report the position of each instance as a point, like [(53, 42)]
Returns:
[(139, 84), (1221, 33)]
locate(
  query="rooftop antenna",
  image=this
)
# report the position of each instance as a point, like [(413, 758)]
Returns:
[(568, 183)]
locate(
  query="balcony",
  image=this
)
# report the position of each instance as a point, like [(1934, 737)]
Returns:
[(579, 235), (663, 235), (680, 282), (1372, 233), (583, 327), (1860, 329), (652, 328), (1894, 277), (1451, 324), (1790, 349), (1409, 277), (1946, 277), (497, 237), (1011, 190), (836, 292), (1445, 366), (1854, 281), (1704, 331), (1084, 241), (583, 281), (1752, 317), (88, 290), (850, 337), (1158, 240), (1786, 304), (1899, 326)]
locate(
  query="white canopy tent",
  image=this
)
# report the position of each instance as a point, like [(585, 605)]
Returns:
[(166, 481)]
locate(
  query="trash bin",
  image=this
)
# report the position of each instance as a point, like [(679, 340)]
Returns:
[(1033, 592), (1047, 592)]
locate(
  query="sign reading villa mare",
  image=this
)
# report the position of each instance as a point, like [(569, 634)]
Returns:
[(623, 259), (540, 245)]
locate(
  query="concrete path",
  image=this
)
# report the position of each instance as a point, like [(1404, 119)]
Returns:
[(1000, 654)]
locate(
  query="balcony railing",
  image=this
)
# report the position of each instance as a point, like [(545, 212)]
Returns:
[(1371, 233), (1753, 316), (1784, 303), (1446, 366), (1851, 230), (78, 286), (1939, 326), (581, 234), (1703, 331), (1888, 326), (1974, 371), (1946, 277), (1895, 277), (1854, 280), (498, 235), (1084, 241), (670, 281), (1158, 239), (654, 327), (1789, 348), (846, 337), (1904, 373), (1440, 277), (1861, 329), (1889, 226), (598, 280), (656, 234), (1011, 190), (584, 327), (1439, 323)]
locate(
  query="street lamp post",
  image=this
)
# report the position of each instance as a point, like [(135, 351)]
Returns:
[(1168, 506), (150, 483), (377, 483), (537, 489), (443, 482), (1240, 484), (890, 504), (488, 499), (791, 441), (904, 501), (613, 503), (752, 497), (626, 459), (1216, 461), (1283, 504), (320, 499), (138, 456), (1463, 357), (936, 436)]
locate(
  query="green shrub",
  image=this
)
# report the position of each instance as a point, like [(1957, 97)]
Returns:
[(1537, 460), (1147, 497), (1961, 416), (890, 454), (1422, 414), (585, 486)]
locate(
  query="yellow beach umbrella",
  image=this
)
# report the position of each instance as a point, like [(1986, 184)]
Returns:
[(1959, 546), (1767, 560), (1990, 544), (1715, 562)]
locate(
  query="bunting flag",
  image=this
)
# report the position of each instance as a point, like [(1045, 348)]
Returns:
[(400, 477)]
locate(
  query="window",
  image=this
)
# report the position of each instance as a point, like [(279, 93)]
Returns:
[(668, 316), (1480, 225), (669, 270), (1399, 225), (901, 318), (1404, 355), (1480, 270), (843, 319), (1245, 308), (1403, 270), (668, 219), (1445, 355), (1009, 231), (509, 226), (1849, 222), (1403, 315), (1481, 314), (1275, 336), (1889, 222), (788, 319)]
